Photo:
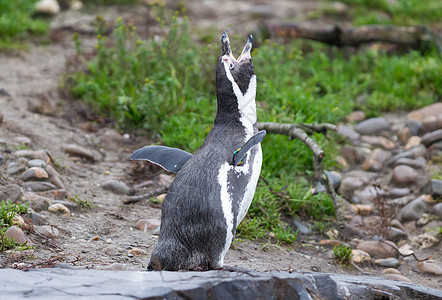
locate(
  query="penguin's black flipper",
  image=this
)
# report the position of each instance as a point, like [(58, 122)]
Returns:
[(241, 152), (170, 159)]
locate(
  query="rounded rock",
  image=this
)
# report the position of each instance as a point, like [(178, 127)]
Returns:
[(391, 271), (397, 277), (360, 256), (429, 267), (404, 174), (59, 209), (15, 233), (372, 126), (34, 173), (376, 159), (379, 249), (414, 210), (389, 262), (356, 116), (117, 187), (37, 163)]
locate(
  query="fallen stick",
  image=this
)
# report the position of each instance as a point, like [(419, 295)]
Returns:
[(298, 131), (416, 37)]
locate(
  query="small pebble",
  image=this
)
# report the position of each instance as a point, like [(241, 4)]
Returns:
[(118, 187), (96, 238), (360, 256), (34, 173), (15, 233), (59, 209), (136, 252), (389, 262), (391, 271), (37, 163)]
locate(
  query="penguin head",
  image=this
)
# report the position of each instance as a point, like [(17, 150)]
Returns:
[(232, 73)]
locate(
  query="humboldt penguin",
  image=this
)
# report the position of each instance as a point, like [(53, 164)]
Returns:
[(214, 187)]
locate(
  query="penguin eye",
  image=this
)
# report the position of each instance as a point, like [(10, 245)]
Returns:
[(231, 66)]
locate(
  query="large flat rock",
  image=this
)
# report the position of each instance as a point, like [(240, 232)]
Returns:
[(95, 284)]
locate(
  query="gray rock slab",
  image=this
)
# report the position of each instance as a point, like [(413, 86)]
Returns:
[(95, 284)]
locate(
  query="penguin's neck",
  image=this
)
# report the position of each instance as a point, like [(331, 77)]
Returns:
[(239, 108)]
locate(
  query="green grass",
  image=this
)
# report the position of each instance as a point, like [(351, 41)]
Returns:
[(343, 255), (400, 12), (17, 23), (167, 87)]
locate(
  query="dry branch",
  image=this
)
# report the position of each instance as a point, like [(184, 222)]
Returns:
[(296, 131), (152, 193), (416, 37)]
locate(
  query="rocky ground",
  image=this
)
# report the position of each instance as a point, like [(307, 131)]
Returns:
[(75, 176)]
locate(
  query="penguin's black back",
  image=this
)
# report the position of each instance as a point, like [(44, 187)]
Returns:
[(193, 227)]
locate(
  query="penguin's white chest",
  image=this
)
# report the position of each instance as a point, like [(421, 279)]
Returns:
[(248, 173)]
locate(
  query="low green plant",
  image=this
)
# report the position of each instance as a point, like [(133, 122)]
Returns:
[(8, 211), (166, 87), (343, 255), (17, 23), (84, 203)]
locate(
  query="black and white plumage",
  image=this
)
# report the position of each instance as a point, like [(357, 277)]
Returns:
[(214, 188)]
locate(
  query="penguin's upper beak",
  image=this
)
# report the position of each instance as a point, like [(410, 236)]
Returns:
[(225, 45)]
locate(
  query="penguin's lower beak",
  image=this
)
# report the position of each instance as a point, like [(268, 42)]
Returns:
[(247, 49)]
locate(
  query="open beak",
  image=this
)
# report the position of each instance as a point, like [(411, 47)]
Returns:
[(247, 48), (225, 45)]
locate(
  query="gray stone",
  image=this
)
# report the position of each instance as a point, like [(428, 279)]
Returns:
[(95, 284), (350, 184), (399, 192), (43, 155), (37, 163), (79, 151), (397, 234), (405, 175), (302, 227), (12, 192), (379, 249), (368, 195), (54, 177), (354, 155), (117, 187), (47, 231), (437, 210), (402, 200), (34, 173), (372, 126), (2, 160), (4, 92), (432, 137), (415, 152), (376, 159), (333, 177), (39, 186), (38, 219), (433, 187), (18, 166), (414, 210), (348, 132), (69, 204), (418, 163), (41, 203), (416, 127), (389, 262)]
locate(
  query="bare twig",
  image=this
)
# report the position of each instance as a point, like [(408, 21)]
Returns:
[(296, 131), (152, 193)]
